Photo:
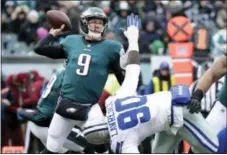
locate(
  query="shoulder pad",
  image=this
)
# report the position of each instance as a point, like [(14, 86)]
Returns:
[(180, 95)]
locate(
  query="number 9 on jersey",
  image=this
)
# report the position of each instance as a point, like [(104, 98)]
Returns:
[(84, 62)]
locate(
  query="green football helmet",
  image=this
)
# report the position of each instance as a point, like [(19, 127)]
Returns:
[(93, 13)]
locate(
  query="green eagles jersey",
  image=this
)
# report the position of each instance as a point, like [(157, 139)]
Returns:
[(48, 100), (222, 95), (88, 67)]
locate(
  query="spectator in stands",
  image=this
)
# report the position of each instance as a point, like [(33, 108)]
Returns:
[(41, 32), (119, 21), (162, 82), (157, 47), (13, 125), (150, 6), (133, 6), (219, 41), (176, 7), (221, 19), (110, 35), (28, 30), (105, 5), (6, 17), (34, 90), (74, 15), (6, 100), (46, 5), (149, 35), (211, 14), (18, 18)]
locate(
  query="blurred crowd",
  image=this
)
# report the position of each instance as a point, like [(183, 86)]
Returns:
[(27, 19), (18, 91)]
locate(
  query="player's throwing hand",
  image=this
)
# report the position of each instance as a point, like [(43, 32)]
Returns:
[(57, 32)]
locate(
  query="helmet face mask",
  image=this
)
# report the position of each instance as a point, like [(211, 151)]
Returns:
[(93, 31), (96, 25)]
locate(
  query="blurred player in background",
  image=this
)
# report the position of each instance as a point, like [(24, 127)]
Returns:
[(90, 58), (198, 131), (210, 97), (40, 118), (217, 116)]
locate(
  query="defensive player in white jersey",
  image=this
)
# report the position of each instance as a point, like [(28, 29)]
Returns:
[(131, 118)]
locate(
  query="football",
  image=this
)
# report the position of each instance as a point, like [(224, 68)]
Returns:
[(57, 18)]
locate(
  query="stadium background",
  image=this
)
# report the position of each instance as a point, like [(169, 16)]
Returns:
[(23, 23)]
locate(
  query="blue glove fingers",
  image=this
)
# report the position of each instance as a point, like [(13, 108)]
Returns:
[(138, 23), (128, 21), (132, 20), (135, 20)]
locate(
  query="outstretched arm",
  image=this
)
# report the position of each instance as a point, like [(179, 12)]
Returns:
[(132, 35), (131, 59), (214, 73), (44, 47)]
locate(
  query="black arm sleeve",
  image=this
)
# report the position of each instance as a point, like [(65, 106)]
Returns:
[(118, 71), (44, 47)]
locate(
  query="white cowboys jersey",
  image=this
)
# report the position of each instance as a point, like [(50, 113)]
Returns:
[(132, 119)]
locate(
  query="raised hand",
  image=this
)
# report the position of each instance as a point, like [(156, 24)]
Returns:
[(133, 26)]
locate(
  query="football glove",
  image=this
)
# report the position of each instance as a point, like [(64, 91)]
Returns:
[(132, 32), (195, 105)]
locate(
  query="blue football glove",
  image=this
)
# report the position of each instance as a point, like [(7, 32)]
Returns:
[(133, 27), (133, 20), (132, 34)]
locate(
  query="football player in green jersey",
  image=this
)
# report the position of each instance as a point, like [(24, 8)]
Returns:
[(218, 115), (40, 118), (165, 143), (90, 57)]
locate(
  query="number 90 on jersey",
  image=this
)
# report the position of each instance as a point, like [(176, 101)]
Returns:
[(132, 110)]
